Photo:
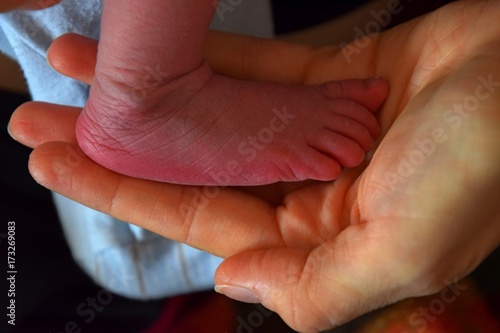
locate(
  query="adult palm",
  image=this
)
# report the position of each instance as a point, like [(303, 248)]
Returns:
[(420, 214)]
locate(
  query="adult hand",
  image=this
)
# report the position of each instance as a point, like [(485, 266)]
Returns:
[(421, 214)]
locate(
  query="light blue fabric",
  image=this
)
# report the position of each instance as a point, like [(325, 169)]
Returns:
[(123, 258), (5, 46)]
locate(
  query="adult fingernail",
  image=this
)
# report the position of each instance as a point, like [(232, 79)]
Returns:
[(237, 293), (18, 137), (10, 133)]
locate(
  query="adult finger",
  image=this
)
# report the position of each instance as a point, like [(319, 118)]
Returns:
[(75, 56), (251, 58), (34, 123), (232, 55), (220, 221)]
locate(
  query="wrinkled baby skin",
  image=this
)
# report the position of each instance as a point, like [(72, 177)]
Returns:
[(157, 111)]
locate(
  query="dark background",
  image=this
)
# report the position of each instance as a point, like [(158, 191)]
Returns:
[(49, 285)]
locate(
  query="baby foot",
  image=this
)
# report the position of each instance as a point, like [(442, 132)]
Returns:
[(205, 129)]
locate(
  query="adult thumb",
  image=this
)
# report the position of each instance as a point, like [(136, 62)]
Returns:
[(306, 288)]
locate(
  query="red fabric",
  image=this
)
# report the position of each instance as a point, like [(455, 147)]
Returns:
[(196, 313)]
